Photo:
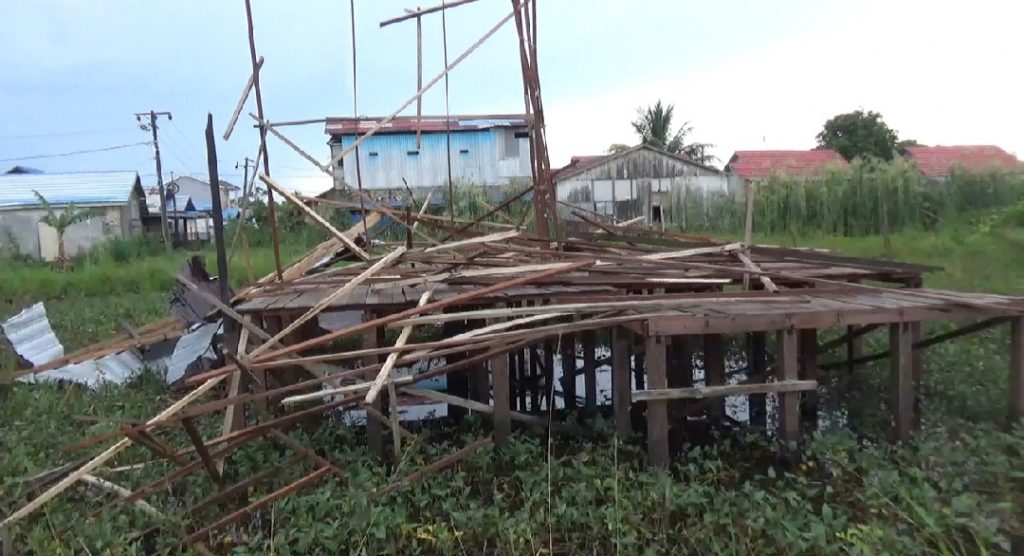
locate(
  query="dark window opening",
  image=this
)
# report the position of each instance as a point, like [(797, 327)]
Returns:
[(521, 134), (413, 152), (655, 214), (463, 151), (374, 153)]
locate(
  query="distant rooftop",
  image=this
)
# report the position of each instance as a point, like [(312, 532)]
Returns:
[(82, 188), (428, 124), (935, 162), (23, 170), (756, 165)]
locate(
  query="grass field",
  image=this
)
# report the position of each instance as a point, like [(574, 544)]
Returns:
[(955, 489)]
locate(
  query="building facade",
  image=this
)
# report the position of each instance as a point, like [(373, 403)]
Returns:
[(487, 150), (117, 197), (639, 182)]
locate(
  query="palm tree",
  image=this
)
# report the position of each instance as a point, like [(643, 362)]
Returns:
[(654, 126), (61, 222)]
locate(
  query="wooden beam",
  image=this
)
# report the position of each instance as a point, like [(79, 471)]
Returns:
[(789, 402), (567, 354), (751, 265), (808, 346), (1017, 370), (204, 455), (707, 392), (902, 389), (589, 344), (486, 409), (389, 363), (502, 402), (241, 102), (621, 380), (714, 372), (657, 410), (419, 12), (435, 467), (271, 183)]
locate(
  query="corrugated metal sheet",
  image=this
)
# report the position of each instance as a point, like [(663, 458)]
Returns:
[(85, 188), (116, 368), (190, 347), (31, 335), (427, 124)]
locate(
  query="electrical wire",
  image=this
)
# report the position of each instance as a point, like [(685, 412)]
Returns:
[(73, 153)]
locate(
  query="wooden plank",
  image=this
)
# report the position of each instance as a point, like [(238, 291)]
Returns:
[(714, 372), (1017, 370), (902, 389), (751, 265), (204, 455), (373, 338), (271, 183), (705, 392), (567, 351), (789, 402), (389, 363), (435, 467), (486, 409), (589, 345), (499, 236), (657, 410), (241, 102), (808, 346), (502, 402), (621, 381)]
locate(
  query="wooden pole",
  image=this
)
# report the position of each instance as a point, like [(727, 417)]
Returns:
[(789, 402), (588, 342), (808, 341), (657, 411), (714, 372), (902, 369), (372, 338), (621, 338), (758, 365), (567, 352), (1017, 369), (502, 404), (218, 212)]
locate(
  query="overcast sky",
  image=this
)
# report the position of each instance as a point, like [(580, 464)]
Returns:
[(746, 74)]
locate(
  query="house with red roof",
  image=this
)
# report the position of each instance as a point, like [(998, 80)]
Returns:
[(756, 166), (939, 162), (643, 181)]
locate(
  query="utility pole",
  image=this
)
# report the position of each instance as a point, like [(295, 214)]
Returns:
[(249, 163), (151, 126)]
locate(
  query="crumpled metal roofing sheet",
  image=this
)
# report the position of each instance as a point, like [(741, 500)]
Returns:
[(31, 335), (190, 347), (116, 368), (86, 188)]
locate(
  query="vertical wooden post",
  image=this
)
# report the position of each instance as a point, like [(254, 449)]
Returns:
[(902, 368), (657, 410), (758, 364), (621, 391), (549, 372), (809, 371), (567, 351), (521, 378), (502, 409), (374, 433), (589, 372), (458, 381), (789, 402), (854, 347), (714, 372), (917, 361), (1017, 369), (679, 370), (534, 378)]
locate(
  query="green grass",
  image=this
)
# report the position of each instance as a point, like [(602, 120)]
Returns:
[(955, 489)]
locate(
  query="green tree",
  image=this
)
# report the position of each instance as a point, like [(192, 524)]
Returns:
[(858, 134), (654, 127), (616, 148), (60, 222)]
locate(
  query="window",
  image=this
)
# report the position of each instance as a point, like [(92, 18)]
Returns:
[(414, 152), (521, 135), (463, 151), (374, 153)]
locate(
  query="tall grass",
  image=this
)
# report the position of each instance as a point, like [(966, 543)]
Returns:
[(870, 197)]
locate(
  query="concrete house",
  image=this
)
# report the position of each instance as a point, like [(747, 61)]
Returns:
[(757, 166), (488, 150), (117, 196), (937, 163), (639, 182), (199, 192)]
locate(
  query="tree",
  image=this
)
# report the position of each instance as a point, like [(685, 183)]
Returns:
[(654, 126), (616, 148), (858, 134), (60, 222)]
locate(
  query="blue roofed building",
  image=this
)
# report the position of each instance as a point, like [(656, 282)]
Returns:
[(116, 197), (486, 150)]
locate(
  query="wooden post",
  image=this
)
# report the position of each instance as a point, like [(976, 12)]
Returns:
[(621, 391), (714, 372), (589, 372), (567, 349), (902, 368), (458, 381), (657, 411), (809, 371), (758, 364), (373, 339), (502, 409), (789, 402), (549, 372), (1017, 369), (521, 378), (679, 370)]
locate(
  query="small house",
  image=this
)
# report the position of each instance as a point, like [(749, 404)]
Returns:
[(643, 181), (757, 166), (937, 163), (199, 192), (117, 197), (487, 150)]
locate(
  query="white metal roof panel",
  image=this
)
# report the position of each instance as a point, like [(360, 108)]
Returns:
[(84, 188)]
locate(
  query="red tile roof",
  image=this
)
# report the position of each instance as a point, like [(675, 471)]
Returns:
[(578, 164), (756, 165), (938, 161), (428, 124)]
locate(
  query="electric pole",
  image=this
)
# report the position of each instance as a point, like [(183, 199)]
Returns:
[(151, 126), (249, 163)]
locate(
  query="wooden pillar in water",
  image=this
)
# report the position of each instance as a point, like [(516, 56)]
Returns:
[(1016, 370), (587, 340), (372, 339), (714, 373), (902, 389), (809, 371), (657, 410), (789, 402), (567, 351), (621, 391), (758, 364)]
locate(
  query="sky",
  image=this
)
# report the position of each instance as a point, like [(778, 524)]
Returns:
[(745, 74)]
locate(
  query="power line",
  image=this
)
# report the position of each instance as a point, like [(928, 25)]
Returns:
[(67, 133), (72, 153)]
